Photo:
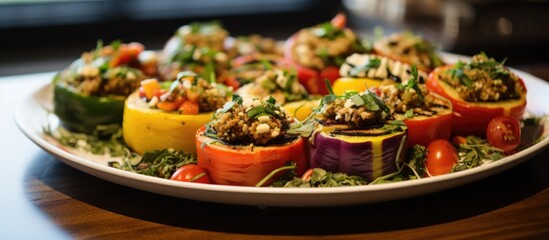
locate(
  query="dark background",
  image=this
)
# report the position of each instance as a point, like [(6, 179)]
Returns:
[(38, 36)]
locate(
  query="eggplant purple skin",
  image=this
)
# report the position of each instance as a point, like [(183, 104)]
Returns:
[(335, 155)]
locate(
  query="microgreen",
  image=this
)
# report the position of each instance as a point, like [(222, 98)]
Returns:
[(327, 30), (458, 72), (413, 83), (409, 114), (98, 47), (475, 152), (116, 44)]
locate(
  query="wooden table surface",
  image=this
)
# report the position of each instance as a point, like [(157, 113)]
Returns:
[(43, 198)]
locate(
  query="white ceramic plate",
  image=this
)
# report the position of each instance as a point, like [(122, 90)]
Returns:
[(38, 104)]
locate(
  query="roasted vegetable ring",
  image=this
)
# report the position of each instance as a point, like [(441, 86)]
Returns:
[(244, 165), (147, 129), (369, 153)]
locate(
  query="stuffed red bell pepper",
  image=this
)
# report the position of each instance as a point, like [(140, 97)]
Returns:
[(246, 140), (479, 91), (318, 51)]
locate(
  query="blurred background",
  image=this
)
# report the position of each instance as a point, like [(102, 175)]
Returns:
[(46, 35)]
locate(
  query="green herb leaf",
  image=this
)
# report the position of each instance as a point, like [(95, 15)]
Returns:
[(116, 44), (409, 114), (357, 99), (413, 83)]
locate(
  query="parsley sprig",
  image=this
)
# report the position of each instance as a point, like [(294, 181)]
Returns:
[(413, 83)]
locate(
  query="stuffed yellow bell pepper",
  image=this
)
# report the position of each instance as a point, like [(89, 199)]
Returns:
[(167, 115)]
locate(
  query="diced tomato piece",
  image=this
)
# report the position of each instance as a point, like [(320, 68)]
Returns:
[(189, 108), (127, 53), (170, 106), (149, 86), (192, 95)]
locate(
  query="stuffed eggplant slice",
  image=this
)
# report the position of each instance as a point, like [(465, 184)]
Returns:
[(92, 90), (167, 115), (479, 91), (355, 135), (246, 140), (361, 71)]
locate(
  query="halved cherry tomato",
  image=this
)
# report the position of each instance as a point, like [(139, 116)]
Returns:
[(441, 157), (503, 132), (191, 173)]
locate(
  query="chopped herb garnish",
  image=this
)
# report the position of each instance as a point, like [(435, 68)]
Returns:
[(409, 114), (327, 30), (413, 83)]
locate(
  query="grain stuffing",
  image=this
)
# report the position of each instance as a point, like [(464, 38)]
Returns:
[(250, 121), (483, 80)]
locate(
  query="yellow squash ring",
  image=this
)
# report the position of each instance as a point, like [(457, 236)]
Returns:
[(147, 129)]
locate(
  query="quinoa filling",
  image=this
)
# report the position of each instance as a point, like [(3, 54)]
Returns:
[(483, 80), (415, 49), (325, 45), (249, 121), (280, 84), (93, 76)]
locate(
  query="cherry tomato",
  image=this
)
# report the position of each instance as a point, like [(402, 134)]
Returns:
[(307, 175), (441, 157), (191, 173), (503, 132)]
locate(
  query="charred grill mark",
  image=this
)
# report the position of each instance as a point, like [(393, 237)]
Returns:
[(439, 106)]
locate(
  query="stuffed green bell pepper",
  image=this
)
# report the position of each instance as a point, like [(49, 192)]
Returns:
[(92, 90)]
